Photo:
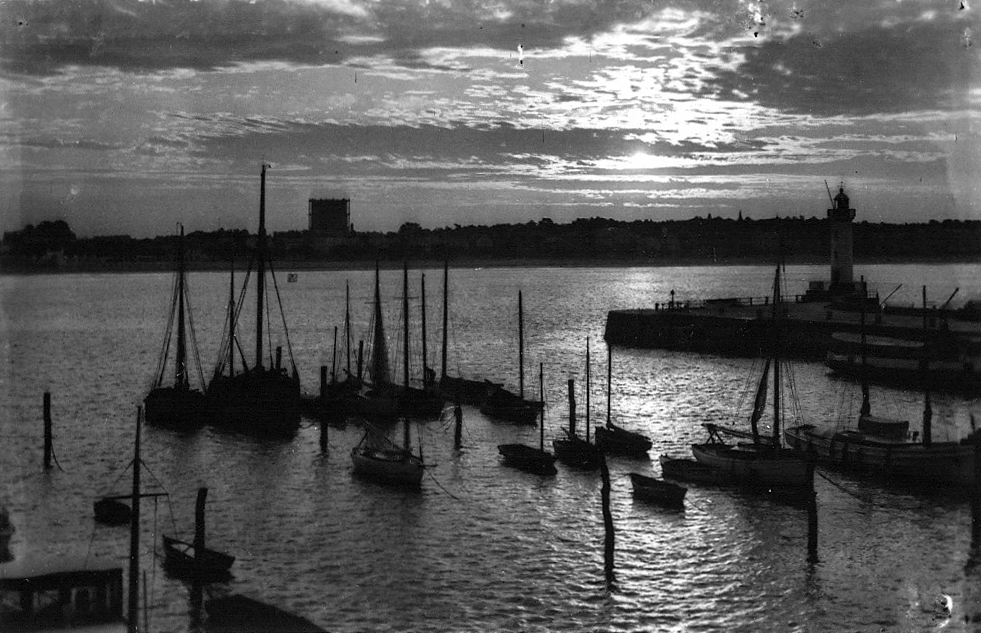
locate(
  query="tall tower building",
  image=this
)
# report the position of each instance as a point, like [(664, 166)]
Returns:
[(840, 217)]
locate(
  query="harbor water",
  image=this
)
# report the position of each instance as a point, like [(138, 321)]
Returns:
[(481, 547)]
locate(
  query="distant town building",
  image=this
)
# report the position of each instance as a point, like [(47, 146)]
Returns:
[(330, 217)]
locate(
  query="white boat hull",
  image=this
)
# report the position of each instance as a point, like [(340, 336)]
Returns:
[(950, 463), (775, 468), (389, 465)]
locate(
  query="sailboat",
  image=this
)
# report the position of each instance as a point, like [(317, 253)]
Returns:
[(573, 450), (425, 401), (378, 457), (377, 401), (882, 447), (75, 593), (259, 399), (758, 462), (177, 405), (616, 439), (529, 458), (457, 388), (505, 405)]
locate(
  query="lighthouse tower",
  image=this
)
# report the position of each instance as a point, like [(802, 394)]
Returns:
[(840, 217)]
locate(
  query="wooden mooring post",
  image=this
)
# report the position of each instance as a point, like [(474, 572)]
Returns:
[(48, 443), (458, 429), (609, 539), (812, 514)]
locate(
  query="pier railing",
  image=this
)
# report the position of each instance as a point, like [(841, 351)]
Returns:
[(741, 302)]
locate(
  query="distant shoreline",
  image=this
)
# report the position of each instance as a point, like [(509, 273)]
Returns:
[(286, 267)]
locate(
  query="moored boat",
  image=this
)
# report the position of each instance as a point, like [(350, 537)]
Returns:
[(684, 469), (377, 457), (754, 462), (529, 458), (651, 489), (612, 438), (457, 388), (572, 450), (194, 561), (178, 404), (261, 399), (508, 406), (882, 447)]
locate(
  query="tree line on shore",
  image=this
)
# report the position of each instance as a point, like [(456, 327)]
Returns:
[(53, 245)]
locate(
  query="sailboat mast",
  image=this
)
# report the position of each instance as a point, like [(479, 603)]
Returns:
[(260, 269), (521, 348), (425, 355), (609, 383), (133, 623), (587, 388), (347, 325), (866, 400), (776, 358), (180, 373), (405, 327), (231, 320), (541, 396), (927, 409), (446, 313)]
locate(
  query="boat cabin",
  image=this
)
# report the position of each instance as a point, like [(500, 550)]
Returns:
[(40, 595)]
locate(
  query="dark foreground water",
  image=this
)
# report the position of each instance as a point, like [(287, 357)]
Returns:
[(481, 547)]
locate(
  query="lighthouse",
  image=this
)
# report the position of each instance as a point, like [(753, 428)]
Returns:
[(840, 218)]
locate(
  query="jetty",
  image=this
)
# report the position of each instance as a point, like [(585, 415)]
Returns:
[(740, 326)]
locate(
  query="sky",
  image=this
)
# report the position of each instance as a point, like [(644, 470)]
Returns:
[(130, 116)]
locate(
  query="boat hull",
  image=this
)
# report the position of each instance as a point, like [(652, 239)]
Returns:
[(528, 459), (618, 441), (680, 469), (577, 453), (112, 512), (259, 401), (390, 466), (663, 492), (464, 390), (180, 561), (946, 463), (769, 467), (175, 407), (503, 405)]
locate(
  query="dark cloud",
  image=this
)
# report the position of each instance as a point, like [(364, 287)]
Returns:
[(913, 66), (42, 37)]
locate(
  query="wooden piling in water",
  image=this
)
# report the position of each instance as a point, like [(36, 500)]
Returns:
[(48, 443), (812, 515), (607, 523), (976, 494), (458, 430)]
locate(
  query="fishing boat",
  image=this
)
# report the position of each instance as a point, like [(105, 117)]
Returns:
[(377, 400), (529, 458), (506, 405), (684, 469), (424, 401), (905, 363), (572, 450), (457, 388), (261, 399), (377, 457), (177, 404), (614, 439), (74, 592), (194, 561), (752, 461), (881, 447), (657, 490)]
